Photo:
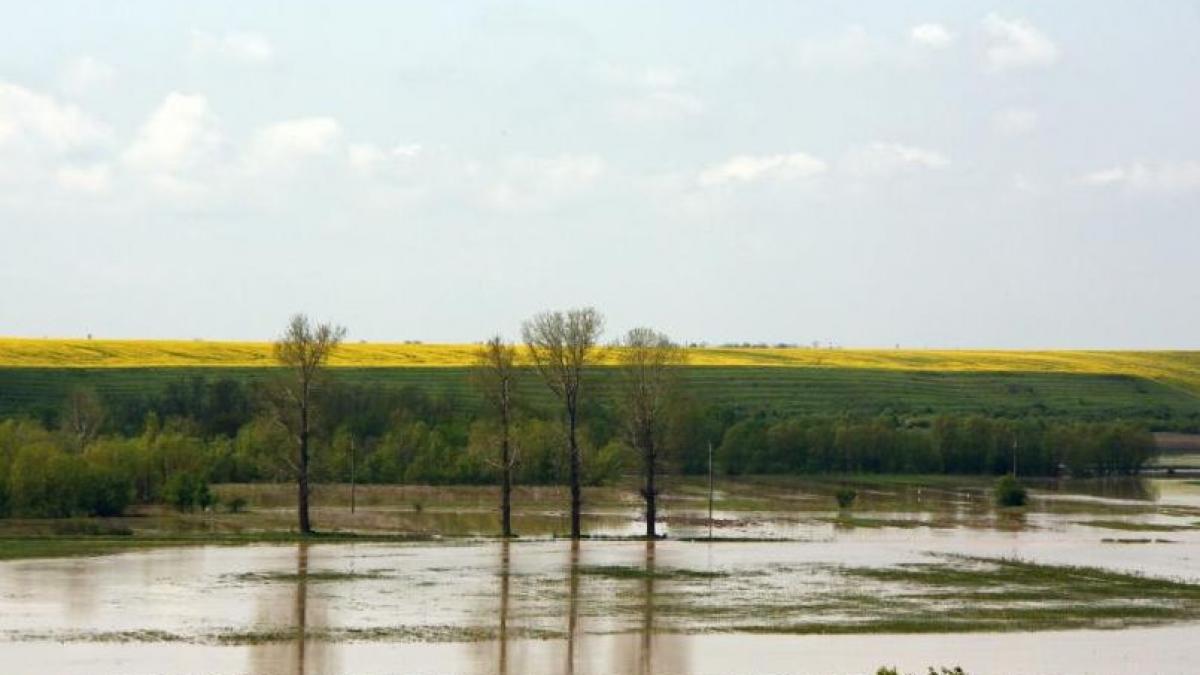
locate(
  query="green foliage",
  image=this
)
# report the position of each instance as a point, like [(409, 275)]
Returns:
[(969, 444), (608, 463), (845, 497), (45, 481), (1009, 492), (180, 431), (187, 491), (105, 491)]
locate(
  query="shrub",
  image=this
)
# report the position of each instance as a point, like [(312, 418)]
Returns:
[(104, 492), (845, 497), (186, 491), (1010, 492), (236, 505)]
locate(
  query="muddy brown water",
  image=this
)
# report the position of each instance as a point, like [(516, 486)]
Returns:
[(547, 606)]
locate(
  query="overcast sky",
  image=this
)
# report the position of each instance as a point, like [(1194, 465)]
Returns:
[(943, 174)]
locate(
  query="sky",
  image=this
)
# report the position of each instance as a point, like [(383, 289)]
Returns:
[(925, 174)]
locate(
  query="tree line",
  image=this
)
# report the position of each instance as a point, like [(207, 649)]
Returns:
[(302, 427)]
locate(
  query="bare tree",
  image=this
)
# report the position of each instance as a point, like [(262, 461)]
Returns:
[(303, 350), (495, 376), (648, 381), (561, 346), (83, 415)]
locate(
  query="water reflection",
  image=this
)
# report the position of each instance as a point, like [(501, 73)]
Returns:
[(505, 572), (287, 608), (1122, 487), (572, 605), (646, 662), (626, 638)]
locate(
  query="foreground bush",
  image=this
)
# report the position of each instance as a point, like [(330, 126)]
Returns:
[(1009, 492), (845, 497)]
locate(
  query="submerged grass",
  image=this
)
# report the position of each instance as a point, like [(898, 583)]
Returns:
[(1134, 526), (307, 577), (659, 573), (949, 595), (233, 637), (20, 548)]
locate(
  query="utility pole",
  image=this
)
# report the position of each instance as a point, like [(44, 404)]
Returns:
[(353, 454), (710, 491)]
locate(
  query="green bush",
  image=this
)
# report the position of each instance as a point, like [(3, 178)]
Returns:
[(104, 492), (188, 491), (1010, 492), (236, 505), (45, 482), (845, 497)]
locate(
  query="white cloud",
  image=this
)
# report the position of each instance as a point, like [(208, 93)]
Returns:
[(85, 74), (365, 158), (93, 179), (651, 94), (851, 48), (242, 47), (931, 35), (1015, 121), (538, 183), (752, 168), (658, 105), (295, 139), (884, 159), (1016, 43), (28, 116), (407, 151), (176, 136), (1138, 176)]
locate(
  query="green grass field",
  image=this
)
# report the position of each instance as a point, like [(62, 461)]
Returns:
[(783, 390)]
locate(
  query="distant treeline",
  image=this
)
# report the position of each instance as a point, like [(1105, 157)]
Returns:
[(97, 459), (970, 444)]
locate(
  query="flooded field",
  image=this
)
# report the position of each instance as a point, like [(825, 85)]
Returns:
[(1091, 578)]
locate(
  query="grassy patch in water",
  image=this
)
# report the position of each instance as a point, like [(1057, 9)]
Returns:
[(878, 523), (415, 633), (309, 577), (1133, 527), (987, 575), (950, 594), (660, 573), (18, 548)]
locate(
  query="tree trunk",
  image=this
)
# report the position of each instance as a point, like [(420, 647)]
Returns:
[(302, 482), (506, 486), (576, 490), (651, 491)]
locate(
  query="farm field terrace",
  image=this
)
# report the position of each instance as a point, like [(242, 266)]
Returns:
[(35, 375)]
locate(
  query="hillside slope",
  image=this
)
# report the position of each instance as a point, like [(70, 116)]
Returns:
[(1161, 387)]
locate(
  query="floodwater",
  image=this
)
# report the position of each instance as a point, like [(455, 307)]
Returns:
[(605, 606)]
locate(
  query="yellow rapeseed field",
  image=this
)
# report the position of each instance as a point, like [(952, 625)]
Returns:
[(1177, 368)]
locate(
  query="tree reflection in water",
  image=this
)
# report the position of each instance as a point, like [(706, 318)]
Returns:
[(298, 655), (572, 605)]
